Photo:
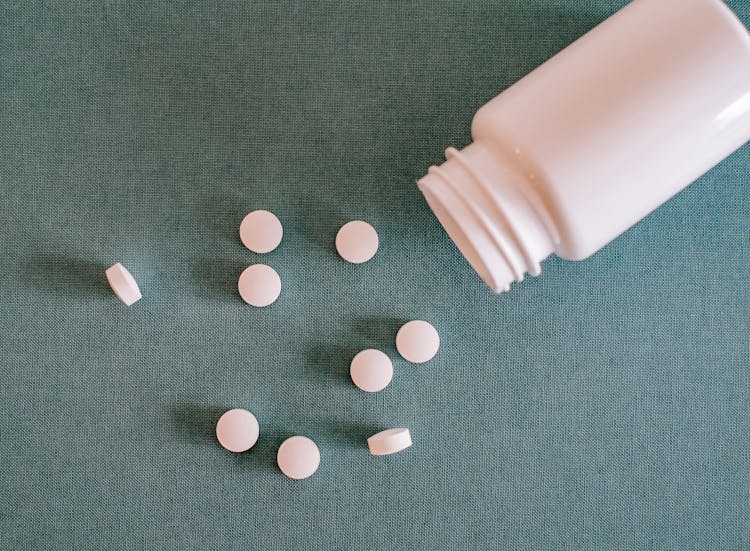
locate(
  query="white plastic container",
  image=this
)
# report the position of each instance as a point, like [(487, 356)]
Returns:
[(593, 140)]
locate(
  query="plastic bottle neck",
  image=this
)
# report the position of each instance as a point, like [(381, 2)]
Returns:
[(491, 213)]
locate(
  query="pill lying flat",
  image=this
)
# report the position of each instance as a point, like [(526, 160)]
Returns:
[(357, 241), (261, 231), (389, 441), (417, 341), (259, 285), (371, 370), (237, 430), (123, 284), (298, 457)]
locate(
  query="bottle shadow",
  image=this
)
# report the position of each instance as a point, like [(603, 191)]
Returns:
[(354, 172)]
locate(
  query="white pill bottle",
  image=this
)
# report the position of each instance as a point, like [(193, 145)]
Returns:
[(593, 140)]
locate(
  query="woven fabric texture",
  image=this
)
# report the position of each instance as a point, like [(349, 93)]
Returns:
[(601, 406)]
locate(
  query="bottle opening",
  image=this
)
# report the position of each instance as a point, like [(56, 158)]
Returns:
[(483, 208), (459, 237)]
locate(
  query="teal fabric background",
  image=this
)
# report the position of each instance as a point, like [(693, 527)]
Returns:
[(601, 406)]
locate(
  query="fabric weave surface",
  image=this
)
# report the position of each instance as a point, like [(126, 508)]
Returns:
[(602, 406)]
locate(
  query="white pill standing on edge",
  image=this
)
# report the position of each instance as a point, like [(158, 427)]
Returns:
[(357, 241), (298, 457), (123, 284), (237, 430), (259, 285), (389, 441), (371, 370), (417, 341), (261, 231)]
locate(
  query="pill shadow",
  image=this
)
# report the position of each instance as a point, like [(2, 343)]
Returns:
[(344, 434), (379, 331), (262, 456), (222, 215), (332, 360), (325, 433), (319, 221), (56, 273), (196, 422), (217, 278)]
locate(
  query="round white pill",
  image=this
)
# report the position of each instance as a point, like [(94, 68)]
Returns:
[(417, 341), (261, 231), (259, 285), (389, 441), (371, 370), (357, 241), (298, 457), (237, 430)]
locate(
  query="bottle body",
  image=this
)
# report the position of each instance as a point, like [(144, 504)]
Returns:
[(600, 135)]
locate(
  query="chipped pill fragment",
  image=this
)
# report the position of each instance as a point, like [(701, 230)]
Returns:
[(123, 284)]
